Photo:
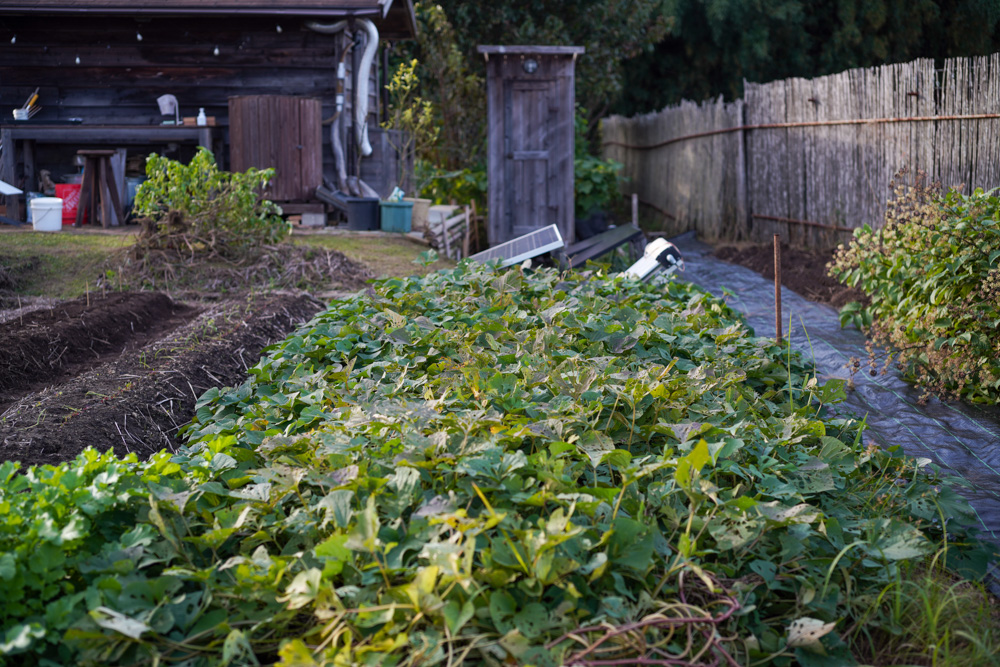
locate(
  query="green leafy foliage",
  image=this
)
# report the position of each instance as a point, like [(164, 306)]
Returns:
[(197, 210), (596, 182), (932, 274), (488, 467), (457, 89), (411, 115), (460, 185)]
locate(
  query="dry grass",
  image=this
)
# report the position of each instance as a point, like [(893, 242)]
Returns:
[(384, 253), (59, 265)]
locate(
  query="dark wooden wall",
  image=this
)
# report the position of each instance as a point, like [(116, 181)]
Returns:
[(119, 77)]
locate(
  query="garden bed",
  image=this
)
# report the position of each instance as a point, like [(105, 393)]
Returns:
[(803, 271), (498, 469), (123, 371)]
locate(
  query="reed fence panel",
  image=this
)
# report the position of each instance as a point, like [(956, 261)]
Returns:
[(812, 159), (688, 184)]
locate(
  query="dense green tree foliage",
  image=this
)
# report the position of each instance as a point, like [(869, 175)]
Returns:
[(713, 45), (612, 31), (645, 54)]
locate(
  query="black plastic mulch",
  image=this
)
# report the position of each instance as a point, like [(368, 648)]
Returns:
[(961, 438)]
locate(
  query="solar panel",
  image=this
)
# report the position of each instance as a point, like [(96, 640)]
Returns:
[(524, 247)]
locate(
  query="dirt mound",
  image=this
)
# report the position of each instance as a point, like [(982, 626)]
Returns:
[(803, 271), (137, 401), (284, 266), (43, 346)]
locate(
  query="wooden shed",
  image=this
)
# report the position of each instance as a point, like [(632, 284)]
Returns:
[(531, 106), (100, 65)]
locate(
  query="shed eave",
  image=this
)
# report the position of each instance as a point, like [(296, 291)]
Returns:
[(519, 49), (195, 11)]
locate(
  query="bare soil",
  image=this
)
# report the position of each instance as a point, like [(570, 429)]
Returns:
[(803, 271), (124, 371), (46, 346)]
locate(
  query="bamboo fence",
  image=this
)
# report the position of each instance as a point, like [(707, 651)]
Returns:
[(811, 159), (672, 178)]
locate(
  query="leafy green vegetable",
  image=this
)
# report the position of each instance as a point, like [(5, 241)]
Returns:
[(205, 211), (542, 464)]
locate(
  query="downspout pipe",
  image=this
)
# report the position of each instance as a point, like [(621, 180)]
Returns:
[(361, 108), (339, 158), (367, 58)]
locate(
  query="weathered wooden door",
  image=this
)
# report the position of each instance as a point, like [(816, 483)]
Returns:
[(530, 158), (281, 132), (529, 108)]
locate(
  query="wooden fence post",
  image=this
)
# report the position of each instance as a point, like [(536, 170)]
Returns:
[(777, 288)]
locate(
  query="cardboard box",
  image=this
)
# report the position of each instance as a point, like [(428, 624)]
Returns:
[(193, 120)]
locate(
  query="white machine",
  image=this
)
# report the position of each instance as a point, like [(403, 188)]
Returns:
[(661, 257)]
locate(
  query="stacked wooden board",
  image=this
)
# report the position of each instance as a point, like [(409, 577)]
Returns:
[(449, 230)]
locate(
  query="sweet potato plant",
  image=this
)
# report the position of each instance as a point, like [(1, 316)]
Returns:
[(484, 467)]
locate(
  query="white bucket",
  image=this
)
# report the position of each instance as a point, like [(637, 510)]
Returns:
[(46, 214)]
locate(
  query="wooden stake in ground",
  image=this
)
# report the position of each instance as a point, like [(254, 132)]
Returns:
[(777, 288), (468, 226)]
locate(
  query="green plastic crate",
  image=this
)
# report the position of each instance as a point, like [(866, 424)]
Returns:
[(396, 216)]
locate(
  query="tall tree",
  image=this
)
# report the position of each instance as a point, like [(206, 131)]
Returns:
[(713, 45), (456, 88), (612, 31)]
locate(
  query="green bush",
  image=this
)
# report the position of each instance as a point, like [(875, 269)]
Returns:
[(485, 467), (932, 275), (198, 209), (596, 182), (460, 186)]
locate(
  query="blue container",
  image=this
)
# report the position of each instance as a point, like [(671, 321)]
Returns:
[(396, 216)]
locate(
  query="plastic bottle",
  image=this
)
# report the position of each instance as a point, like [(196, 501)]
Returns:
[(202, 119)]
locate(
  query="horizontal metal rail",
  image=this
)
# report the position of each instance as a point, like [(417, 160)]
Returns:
[(810, 123)]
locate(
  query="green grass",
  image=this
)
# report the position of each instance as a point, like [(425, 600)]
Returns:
[(385, 255), (67, 264), (928, 616), (59, 265)]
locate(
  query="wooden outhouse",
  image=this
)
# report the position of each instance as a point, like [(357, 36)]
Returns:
[(531, 102)]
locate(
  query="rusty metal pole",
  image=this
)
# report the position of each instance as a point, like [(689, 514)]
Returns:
[(777, 288)]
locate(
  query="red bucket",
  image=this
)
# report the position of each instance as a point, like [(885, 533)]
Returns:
[(70, 194)]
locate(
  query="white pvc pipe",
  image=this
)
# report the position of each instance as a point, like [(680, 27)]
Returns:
[(340, 163), (361, 108), (327, 28), (367, 58)]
